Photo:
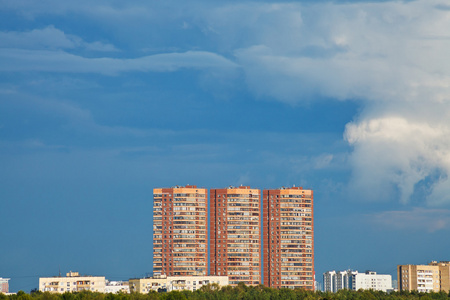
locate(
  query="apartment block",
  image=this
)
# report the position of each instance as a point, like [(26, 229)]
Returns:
[(4, 285), (334, 281), (329, 284), (288, 231), (73, 282), (371, 281), (180, 245), (343, 279), (174, 283), (235, 234), (424, 278), (115, 287), (353, 280)]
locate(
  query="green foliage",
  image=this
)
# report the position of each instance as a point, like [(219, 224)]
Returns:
[(174, 295), (240, 292)]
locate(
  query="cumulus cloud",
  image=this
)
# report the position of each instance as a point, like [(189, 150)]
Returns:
[(377, 51), (399, 152), (391, 57), (417, 219)]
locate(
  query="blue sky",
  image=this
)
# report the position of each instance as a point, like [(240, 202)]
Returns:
[(100, 102)]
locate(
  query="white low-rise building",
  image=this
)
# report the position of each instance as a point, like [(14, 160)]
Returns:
[(372, 281), (115, 287), (174, 283)]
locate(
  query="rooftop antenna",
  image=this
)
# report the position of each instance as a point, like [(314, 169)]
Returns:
[(59, 269)]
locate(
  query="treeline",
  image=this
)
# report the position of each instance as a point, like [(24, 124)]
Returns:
[(241, 292)]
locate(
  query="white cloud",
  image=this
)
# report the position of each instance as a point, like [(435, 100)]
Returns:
[(47, 50), (16, 60), (417, 219), (392, 57), (377, 52), (399, 151), (48, 38)]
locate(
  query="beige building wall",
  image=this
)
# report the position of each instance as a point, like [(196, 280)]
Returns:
[(145, 285), (422, 278), (174, 283), (445, 277), (444, 272), (72, 283)]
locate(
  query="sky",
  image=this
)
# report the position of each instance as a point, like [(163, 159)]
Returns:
[(102, 101)]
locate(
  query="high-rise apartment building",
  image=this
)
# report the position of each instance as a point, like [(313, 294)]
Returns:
[(288, 231), (235, 234), (180, 246), (424, 278)]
